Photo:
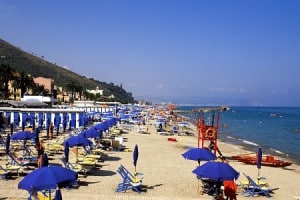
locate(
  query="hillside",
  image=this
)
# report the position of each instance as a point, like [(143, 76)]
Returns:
[(35, 66)]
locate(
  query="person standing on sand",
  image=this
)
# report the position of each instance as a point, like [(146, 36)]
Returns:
[(51, 130), (40, 149)]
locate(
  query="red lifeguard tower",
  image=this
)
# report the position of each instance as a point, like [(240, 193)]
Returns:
[(171, 108), (208, 126)]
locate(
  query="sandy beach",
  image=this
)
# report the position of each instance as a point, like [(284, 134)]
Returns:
[(167, 175)]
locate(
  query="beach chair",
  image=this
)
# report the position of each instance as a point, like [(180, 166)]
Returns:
[(44, 196), (14, 160), (75, 167), (135, 177), (10, 170), (128, 182), (3, 173), (252, 188)]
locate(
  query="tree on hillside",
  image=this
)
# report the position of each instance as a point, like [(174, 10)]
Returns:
[(24, 82), (5, 77), (40, 90), (74, 88)]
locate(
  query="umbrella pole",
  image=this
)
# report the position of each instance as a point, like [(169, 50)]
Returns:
[(135, 173), (199, 190), (258, 177)]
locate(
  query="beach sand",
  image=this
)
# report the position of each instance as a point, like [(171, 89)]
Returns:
[(167, 175)]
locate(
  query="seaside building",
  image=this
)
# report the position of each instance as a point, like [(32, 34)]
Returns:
[(48, 83), (96, 91)]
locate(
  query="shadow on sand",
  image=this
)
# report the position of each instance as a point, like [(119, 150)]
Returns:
[(145, 188)]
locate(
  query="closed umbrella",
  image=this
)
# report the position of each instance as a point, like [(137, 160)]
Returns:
[(7, 144), (135, 156), (11, 128), (66, 151), (259, 158)]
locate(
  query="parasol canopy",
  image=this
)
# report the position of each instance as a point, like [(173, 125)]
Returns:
[(199, 154), (218, 171), (47, 178)]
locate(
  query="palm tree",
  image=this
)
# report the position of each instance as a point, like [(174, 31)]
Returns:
[(79, 90), (40, 90), (71, 87), (5, 77), (24, 82)]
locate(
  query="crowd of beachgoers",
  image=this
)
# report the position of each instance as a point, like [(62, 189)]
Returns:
[(108, 166)]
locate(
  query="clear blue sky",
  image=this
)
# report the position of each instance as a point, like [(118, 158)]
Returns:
[(237, 51)]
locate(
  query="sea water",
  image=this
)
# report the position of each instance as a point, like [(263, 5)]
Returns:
[(275, 129)]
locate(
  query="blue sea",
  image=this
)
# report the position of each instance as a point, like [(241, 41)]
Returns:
[(275, 129)]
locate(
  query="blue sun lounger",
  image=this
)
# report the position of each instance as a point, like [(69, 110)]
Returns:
[(128, 181), (253, 189)]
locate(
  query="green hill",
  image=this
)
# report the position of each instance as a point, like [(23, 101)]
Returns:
[(35, 66)]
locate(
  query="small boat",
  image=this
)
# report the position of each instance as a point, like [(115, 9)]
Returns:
[(266, 160)]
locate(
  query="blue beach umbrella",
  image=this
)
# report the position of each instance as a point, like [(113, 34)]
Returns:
[(66, 151), (47, 178), (259, 158), (199, 154), (78, 141), (218, 171), (90, 133), (135, 156), (23, 135), (7, 144)]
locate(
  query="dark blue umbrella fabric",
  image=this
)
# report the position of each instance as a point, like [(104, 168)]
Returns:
[(199, 154), (7, 144), (66, 151), (58, 195), (78, 141), (47, 178), (259, 158), (23, 135), (135, 155), (218, 171), (45, 161), (90, 133)]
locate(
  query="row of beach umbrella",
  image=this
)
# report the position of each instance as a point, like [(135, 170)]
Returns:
[(53, 177)]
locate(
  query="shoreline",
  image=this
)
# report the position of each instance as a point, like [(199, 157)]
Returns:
[(286, 149)]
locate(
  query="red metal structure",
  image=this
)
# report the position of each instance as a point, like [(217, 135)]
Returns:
[(208, 126)]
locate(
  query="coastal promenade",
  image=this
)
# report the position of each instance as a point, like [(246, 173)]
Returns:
[(167, 175)]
